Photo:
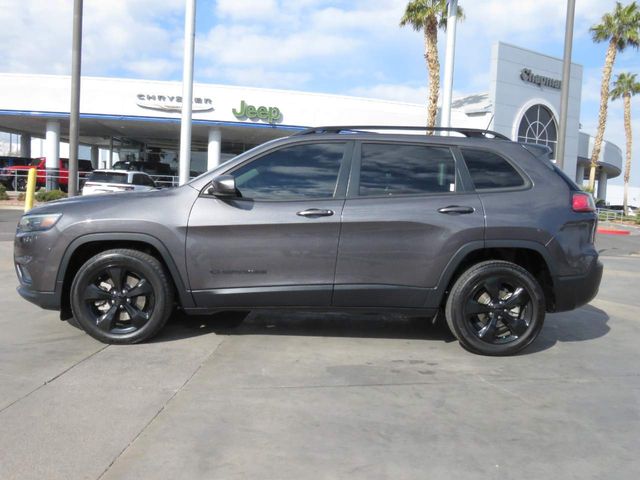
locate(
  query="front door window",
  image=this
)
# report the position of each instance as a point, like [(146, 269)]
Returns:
[(299, 172)]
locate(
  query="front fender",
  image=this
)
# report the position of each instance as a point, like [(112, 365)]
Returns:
[(179, 278)]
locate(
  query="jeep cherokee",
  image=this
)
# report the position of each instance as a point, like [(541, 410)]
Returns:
[(480, 230)]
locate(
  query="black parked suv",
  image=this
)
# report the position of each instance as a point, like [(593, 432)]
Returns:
[(481, 231)]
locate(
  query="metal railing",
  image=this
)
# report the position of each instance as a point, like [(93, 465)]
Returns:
[(165, 181), (606, 215), (16, 180)]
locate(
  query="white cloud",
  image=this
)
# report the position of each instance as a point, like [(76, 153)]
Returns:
[(263, 49), (528, 21), (395, 92), (117, 34), (156, 68), (260, 77), (246, 9)]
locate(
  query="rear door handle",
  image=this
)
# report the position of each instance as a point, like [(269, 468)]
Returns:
[(315, 212), (456, 209)]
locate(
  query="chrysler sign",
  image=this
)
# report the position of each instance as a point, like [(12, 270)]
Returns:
[(172, 103), (528, 76)]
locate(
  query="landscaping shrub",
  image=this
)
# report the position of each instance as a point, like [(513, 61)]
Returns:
[(3, 193), (43, 195)]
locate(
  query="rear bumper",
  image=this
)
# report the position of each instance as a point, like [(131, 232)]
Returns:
[(575, 291)]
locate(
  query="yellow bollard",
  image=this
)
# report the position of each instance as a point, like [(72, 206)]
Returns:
[(31, 189)]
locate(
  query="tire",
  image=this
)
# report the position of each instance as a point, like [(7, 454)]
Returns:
[(74, 323), (122, 296), (19, 183), (478, 313)]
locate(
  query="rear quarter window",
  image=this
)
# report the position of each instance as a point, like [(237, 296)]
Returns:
[(489, 170)]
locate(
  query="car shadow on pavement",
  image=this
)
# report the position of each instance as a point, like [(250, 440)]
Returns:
[(312, 324), (586, 323), (583, 324)]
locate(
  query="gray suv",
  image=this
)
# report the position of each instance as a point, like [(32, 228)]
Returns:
[(481, 231)]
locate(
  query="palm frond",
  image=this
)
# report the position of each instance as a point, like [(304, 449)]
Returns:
[(621, 26), (625, 84)]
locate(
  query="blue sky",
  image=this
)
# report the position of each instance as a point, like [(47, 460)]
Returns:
[(346, 47)]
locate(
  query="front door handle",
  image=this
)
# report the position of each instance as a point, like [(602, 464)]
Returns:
[(315, 212), (456, 209)]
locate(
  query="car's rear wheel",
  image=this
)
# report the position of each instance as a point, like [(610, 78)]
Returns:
[(122, 296), (495, 308)]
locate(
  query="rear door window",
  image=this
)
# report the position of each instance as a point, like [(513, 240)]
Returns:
[(397, 169), (489, 170)]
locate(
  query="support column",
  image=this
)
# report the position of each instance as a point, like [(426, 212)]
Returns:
[(25, 145), (602, 185), (580, 174), (95, 156), (110, 158), (52, 153), (215, 145)]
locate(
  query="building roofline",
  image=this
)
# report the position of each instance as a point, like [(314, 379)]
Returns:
[(178, 83), (536, 53)]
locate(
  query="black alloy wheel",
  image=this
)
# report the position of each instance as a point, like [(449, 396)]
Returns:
[(499, 309), (121, 296), (495, 308), (119, 300)]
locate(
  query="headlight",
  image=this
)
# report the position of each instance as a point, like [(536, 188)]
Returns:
[(38, 223)]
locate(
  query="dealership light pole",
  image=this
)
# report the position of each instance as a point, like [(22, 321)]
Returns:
[(74, 112), (566, 76), (447, 87), (187, 91)]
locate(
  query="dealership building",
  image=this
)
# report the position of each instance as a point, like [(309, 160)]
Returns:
[(140, 119)]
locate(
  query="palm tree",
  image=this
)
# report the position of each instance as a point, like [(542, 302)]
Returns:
[(621, 28), (428, 16), (625, 87)]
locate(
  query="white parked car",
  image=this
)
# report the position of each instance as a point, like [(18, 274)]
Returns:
[(111, 181)]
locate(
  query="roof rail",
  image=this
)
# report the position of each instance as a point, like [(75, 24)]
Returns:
[(467, 132)]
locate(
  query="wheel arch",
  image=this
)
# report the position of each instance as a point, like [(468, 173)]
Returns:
[(531, 256), (86, 246)]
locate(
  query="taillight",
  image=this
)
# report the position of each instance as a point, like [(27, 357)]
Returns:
[(582, 202)]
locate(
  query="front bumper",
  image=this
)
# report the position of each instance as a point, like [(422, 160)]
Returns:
[(575, 291), (46, 300), (36, 269)]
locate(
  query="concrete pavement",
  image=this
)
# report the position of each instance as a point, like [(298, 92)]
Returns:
[(312, 396)]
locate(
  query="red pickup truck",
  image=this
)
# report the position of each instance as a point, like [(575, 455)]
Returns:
[(15, 177)]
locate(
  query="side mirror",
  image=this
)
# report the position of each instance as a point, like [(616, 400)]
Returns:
[(223, 186)]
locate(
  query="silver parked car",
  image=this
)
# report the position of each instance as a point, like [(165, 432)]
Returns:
[(112, 181)]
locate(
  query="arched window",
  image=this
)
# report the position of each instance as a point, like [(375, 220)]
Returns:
[(538, 125)]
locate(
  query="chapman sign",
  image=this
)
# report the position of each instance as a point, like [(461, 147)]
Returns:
[(172, 103), (528, 76)]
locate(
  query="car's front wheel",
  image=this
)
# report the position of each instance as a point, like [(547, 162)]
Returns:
[(19, 183), (495, 308), (122, 296)]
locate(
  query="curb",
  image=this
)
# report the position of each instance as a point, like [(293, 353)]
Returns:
[(610, 231), (12, 207)]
